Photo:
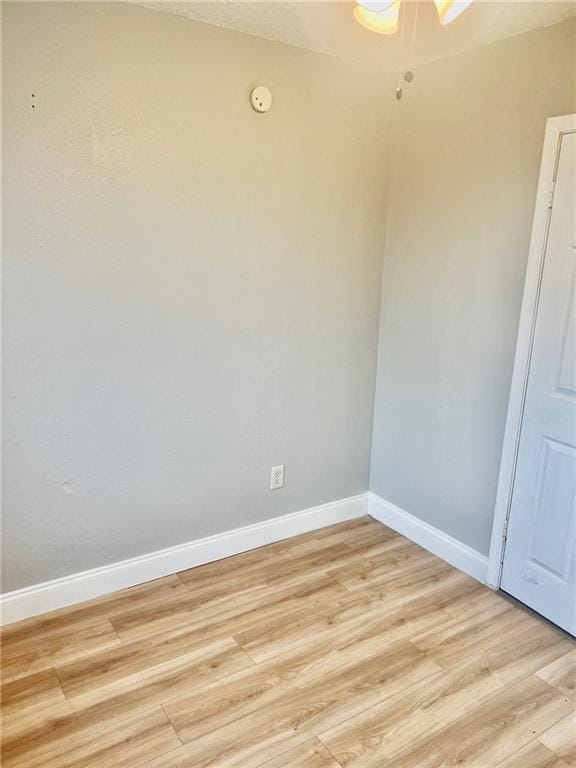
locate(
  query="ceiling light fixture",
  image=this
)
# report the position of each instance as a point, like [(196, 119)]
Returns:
[(381, 16), (448, 10)]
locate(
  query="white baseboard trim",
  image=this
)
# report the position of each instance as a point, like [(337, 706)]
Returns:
[(434, 540), (78, 587)]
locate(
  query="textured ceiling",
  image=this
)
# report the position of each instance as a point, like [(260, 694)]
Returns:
[(328, 27)]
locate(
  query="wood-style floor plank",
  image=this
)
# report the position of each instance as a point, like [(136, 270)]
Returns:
[(456, 640), (249, 741), (243, 611), (521, 650), (290, 556), (436, 583), (98, 745), (390, 727), (534, 755), (302, 667), (135, 695), (560, 738), (378, 733), (26, 700), (144, 596), (345, 647), (474, 602), (562, 674), (322, 694), (35, 652), (402, 556), (311, 754), (131, 658), (484, 737)]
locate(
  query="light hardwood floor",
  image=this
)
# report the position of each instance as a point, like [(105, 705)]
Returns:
[(347, 647)]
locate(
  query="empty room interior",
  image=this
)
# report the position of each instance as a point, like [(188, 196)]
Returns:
[(288, 384)]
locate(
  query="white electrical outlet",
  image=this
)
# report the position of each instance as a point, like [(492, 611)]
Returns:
[(277, 477)]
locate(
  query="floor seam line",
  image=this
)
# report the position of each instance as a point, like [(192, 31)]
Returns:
[(327, 748), (171, 724)]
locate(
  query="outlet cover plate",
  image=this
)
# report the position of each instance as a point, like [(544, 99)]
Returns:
[(277, 477)]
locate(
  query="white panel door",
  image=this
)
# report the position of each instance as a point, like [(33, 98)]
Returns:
[(540, 556)]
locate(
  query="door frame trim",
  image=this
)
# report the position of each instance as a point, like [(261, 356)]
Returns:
[(555, 128)]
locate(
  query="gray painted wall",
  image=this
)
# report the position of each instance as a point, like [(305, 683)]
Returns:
[(191, 290), (467, 143)]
